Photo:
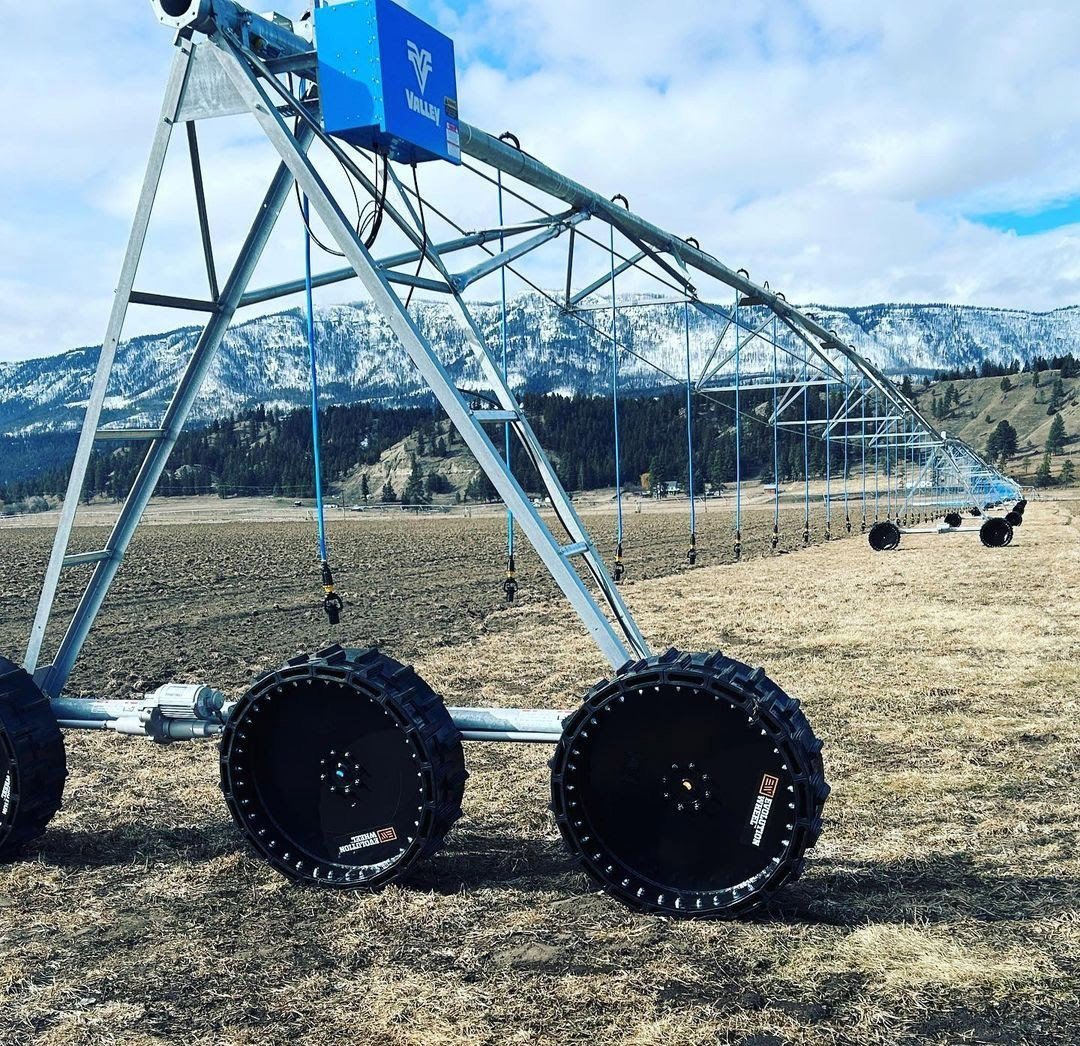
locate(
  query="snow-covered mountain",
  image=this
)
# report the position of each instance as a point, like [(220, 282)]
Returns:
[(265, 359)]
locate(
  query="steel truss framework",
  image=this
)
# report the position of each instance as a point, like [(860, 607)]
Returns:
[(765, 344)]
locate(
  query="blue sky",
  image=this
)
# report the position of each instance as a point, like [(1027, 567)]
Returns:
[(849, 152), (1051, 216)]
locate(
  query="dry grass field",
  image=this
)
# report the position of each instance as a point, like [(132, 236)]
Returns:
[(942, 904)]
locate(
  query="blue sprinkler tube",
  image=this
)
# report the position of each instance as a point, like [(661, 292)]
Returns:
[(691, 554), (314, 383), (738, 432), (618, 572)]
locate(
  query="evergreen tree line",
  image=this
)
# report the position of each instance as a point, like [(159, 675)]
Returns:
[(579, 432), (1068, 364), (32, 464), (263, 451), (260, 451)]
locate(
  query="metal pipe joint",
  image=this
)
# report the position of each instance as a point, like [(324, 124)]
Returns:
[(174, 712)]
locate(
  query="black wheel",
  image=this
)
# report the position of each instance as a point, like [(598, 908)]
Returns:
[(1020, 506), (996, 532), (976, 512), (33, 766), (690, 785), (884, 536), (1014, 518), (953, 519), (343, 768)]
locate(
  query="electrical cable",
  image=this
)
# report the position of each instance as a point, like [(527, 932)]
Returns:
[(423, 236)]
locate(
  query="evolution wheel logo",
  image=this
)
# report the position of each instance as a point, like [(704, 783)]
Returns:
[(759, 816), (421, 62)]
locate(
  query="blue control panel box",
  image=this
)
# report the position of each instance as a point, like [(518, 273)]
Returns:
[(387, 81)]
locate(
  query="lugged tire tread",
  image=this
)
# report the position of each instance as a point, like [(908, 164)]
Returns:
[(32, 731), (768, 701), (404, 692)]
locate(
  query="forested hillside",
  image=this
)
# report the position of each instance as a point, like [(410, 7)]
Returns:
[(1029, 421), (260, 451), (412, 454), (269, 452)]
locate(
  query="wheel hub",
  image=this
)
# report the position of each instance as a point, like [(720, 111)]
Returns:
[(687, 787), (344, 775)]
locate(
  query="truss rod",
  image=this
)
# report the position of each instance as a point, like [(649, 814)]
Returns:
[(519, 250), (326, 279), (604, 280)]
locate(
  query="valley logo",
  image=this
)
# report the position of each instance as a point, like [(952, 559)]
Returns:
[(422, 64)]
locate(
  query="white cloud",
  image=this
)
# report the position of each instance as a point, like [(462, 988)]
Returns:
[(832, 147)]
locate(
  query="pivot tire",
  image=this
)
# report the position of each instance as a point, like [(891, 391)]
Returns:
[(976, 512), (884, 536), (33, 766), (343, 768), (996, 532), (1014, 518), (690, 785), (953, 519)]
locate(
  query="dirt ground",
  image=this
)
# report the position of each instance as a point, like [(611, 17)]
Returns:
[(942, 904), (226, 601)]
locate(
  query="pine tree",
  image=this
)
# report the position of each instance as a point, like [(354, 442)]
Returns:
[(1068, 471), (388, 494), (480, 489), (1002, 442), (1043, 476), (657, 476), (1056, 440), (1006, 385), (436, 483), (414, 493)]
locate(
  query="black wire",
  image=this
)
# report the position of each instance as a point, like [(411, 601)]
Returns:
[(380, 204), (423, 234), (352, 188)]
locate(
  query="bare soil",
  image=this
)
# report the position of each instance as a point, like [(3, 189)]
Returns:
[(941, 906), (224, 601)]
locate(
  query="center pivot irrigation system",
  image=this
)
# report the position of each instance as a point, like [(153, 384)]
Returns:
[(688, 783)]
